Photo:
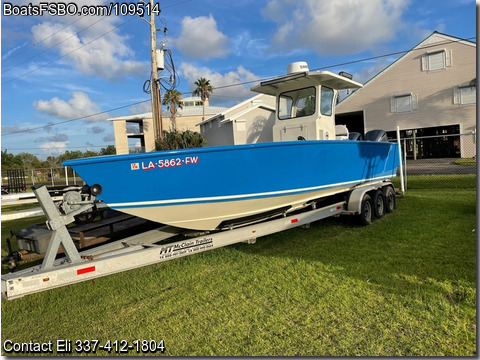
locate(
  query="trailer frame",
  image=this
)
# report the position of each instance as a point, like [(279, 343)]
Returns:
[(145, 249)]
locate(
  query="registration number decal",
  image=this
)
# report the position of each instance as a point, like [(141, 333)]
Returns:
[(165, 163)]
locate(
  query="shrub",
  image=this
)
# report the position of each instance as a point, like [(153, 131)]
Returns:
[(174, 139)]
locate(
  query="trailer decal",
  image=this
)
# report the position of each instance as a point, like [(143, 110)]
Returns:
[(185, 247)]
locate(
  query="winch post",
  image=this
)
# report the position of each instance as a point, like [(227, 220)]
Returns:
[(57, 223)]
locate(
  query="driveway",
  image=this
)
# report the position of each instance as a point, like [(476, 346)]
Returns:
[(438, 167)]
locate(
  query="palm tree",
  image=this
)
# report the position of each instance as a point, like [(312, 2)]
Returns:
[(173, 99), (204, 89)]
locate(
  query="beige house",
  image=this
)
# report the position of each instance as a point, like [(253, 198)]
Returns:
[(136, 133), (431, 90), (248, 122)]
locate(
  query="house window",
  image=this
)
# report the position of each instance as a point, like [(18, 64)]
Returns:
[(403, 103), (436, 60), (464, 94)]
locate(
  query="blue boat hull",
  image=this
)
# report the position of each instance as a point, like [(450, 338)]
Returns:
[(201, 188)]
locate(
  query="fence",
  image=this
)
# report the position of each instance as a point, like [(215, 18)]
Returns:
[(52, 177), (427, 161), (431, 160)]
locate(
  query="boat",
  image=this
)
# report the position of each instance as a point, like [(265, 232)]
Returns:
[(210, 188)]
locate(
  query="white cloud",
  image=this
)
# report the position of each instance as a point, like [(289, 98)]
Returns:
[(93, 47), (143, 107), (217, 80), (334, 27), (78, 106), (200, 38), (54, 147)]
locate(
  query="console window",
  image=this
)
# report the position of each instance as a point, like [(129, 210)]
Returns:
[(297, 103), (326, 103)]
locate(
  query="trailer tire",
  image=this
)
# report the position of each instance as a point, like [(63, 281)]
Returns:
[(390, 199), (379, 204), (366, 210)]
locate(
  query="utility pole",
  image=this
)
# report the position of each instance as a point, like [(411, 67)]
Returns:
[(155, 88)]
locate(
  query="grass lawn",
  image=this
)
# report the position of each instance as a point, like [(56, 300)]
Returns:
[(403, 286), (466, 162)]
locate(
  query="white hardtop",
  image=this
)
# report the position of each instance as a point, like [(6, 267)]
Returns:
[(305, 103), (306, 78)]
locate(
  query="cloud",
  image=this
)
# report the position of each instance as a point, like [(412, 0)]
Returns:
[(143, 107), (108, 138), (8, 129), (78, 106), (96, 130), (245, 45), (334, 27), (217, 80), (54, 136), (54, 147), (199, 38), (91, 45)]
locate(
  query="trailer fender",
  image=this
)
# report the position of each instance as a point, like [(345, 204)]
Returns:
[(354, 205)]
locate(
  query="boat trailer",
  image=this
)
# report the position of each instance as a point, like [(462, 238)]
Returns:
[(365, 201)]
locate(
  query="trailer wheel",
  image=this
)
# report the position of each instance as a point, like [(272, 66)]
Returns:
[(379, 204), (390, 199), (366, 211)]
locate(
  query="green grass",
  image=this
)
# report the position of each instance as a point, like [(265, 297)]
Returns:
[(403, 286), (14, 208), (433, 182), (466, 162)]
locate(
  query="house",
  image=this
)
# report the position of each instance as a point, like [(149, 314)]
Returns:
[(430, 90), (248, 122), (136, 133)]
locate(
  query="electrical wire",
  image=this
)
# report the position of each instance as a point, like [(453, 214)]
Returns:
[(48, 37), (51, 47), (236, 84), (61, 57), (173, 80), (75, 119)]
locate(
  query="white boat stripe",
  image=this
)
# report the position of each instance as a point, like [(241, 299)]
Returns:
[(242, 196)]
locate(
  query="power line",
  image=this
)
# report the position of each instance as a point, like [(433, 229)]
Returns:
[(61, 57), (56, 32), (396, 53), (245, 83), (354, 61), (75, 119), (48, 37), (70, 147), (51, 47)]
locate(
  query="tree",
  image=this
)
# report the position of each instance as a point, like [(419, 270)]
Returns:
[(69, 155), (52, 162), (204, 89), (29, 161), (173, 99), (109, 150), (10, 161)]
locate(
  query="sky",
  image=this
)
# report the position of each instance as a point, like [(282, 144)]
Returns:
[(63, 76)]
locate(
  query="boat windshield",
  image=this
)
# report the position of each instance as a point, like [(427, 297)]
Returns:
[(297, 103), (326, 102)]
